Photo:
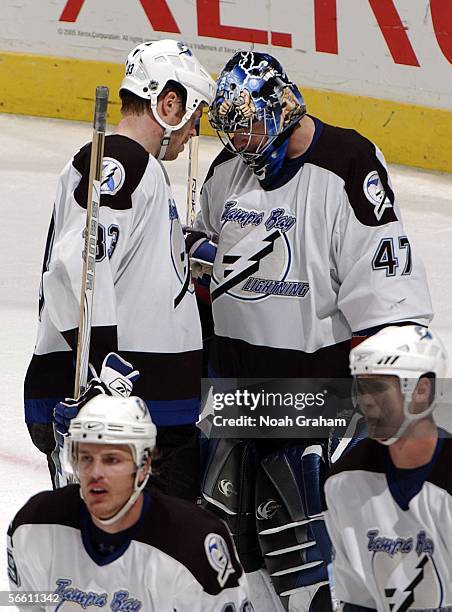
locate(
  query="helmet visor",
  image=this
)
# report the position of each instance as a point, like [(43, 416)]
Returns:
[(381, 401), (82, 458), (108, 460)]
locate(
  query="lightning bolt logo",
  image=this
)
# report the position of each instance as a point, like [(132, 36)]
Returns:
[(107, 178), (113, 176), (239, 268), (186, 284), (408, 601)]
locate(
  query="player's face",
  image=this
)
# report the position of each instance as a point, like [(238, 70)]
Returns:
[(106, 473), (381, 401), (179, 138), (250, 140)]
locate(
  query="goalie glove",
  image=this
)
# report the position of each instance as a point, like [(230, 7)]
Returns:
[(117, 377)]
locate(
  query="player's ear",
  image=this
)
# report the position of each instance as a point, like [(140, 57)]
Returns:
[(422, 394), (169, 106)]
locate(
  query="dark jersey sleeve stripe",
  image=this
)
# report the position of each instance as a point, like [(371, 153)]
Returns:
[(353, 158), (367, 455), (183, 538), (133, 159), (59, 507), (104, 339), (50, 378), (441, 475)]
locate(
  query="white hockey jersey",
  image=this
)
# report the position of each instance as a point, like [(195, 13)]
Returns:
[(180, 558), (318, 256), (392, 538), (144, 306)]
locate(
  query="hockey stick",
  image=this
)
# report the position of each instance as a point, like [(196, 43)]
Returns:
[(89, 262), (90, 249), (192, 181)]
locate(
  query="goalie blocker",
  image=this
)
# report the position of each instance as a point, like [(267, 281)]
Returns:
[(273, 508)]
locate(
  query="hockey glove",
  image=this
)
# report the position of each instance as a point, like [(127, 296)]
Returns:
[(117, 377), (201, 252), (65, 411)]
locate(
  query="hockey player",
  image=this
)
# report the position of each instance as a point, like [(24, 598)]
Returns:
[(390, 498), (310, 251), (144, 308), (108, 542)]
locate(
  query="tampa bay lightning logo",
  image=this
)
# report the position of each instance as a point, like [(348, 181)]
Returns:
[(218, 557), (423, 333), (376, 194), (183, 48), (405, 572), (113, 176), (254, 256), (71, 597), (179, 255)]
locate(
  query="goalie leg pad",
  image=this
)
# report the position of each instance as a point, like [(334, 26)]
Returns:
[(289, 518), (228, 488)]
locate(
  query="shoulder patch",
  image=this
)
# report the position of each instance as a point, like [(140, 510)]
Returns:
[(218, 557), (379, 196), (124, 164), (375, 193), (361, 166), (113, 176), (195, 538)]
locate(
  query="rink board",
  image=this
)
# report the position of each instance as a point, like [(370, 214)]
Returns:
[(64, 87)]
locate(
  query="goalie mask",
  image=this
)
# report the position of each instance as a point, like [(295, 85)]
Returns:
[(255, 110), (151, 65), (113, 420), (408, 352)]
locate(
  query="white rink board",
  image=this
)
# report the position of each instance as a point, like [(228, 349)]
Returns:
[(389, 49)]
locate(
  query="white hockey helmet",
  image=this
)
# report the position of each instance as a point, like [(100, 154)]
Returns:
[(408, 352), (151, 65), (113, 420)]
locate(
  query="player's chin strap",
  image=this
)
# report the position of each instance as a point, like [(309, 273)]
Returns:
[(164, 143), (129, 503), (167, 129), (408, 386)]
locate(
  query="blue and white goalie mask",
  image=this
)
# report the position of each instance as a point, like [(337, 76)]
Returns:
[(254, 111)]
